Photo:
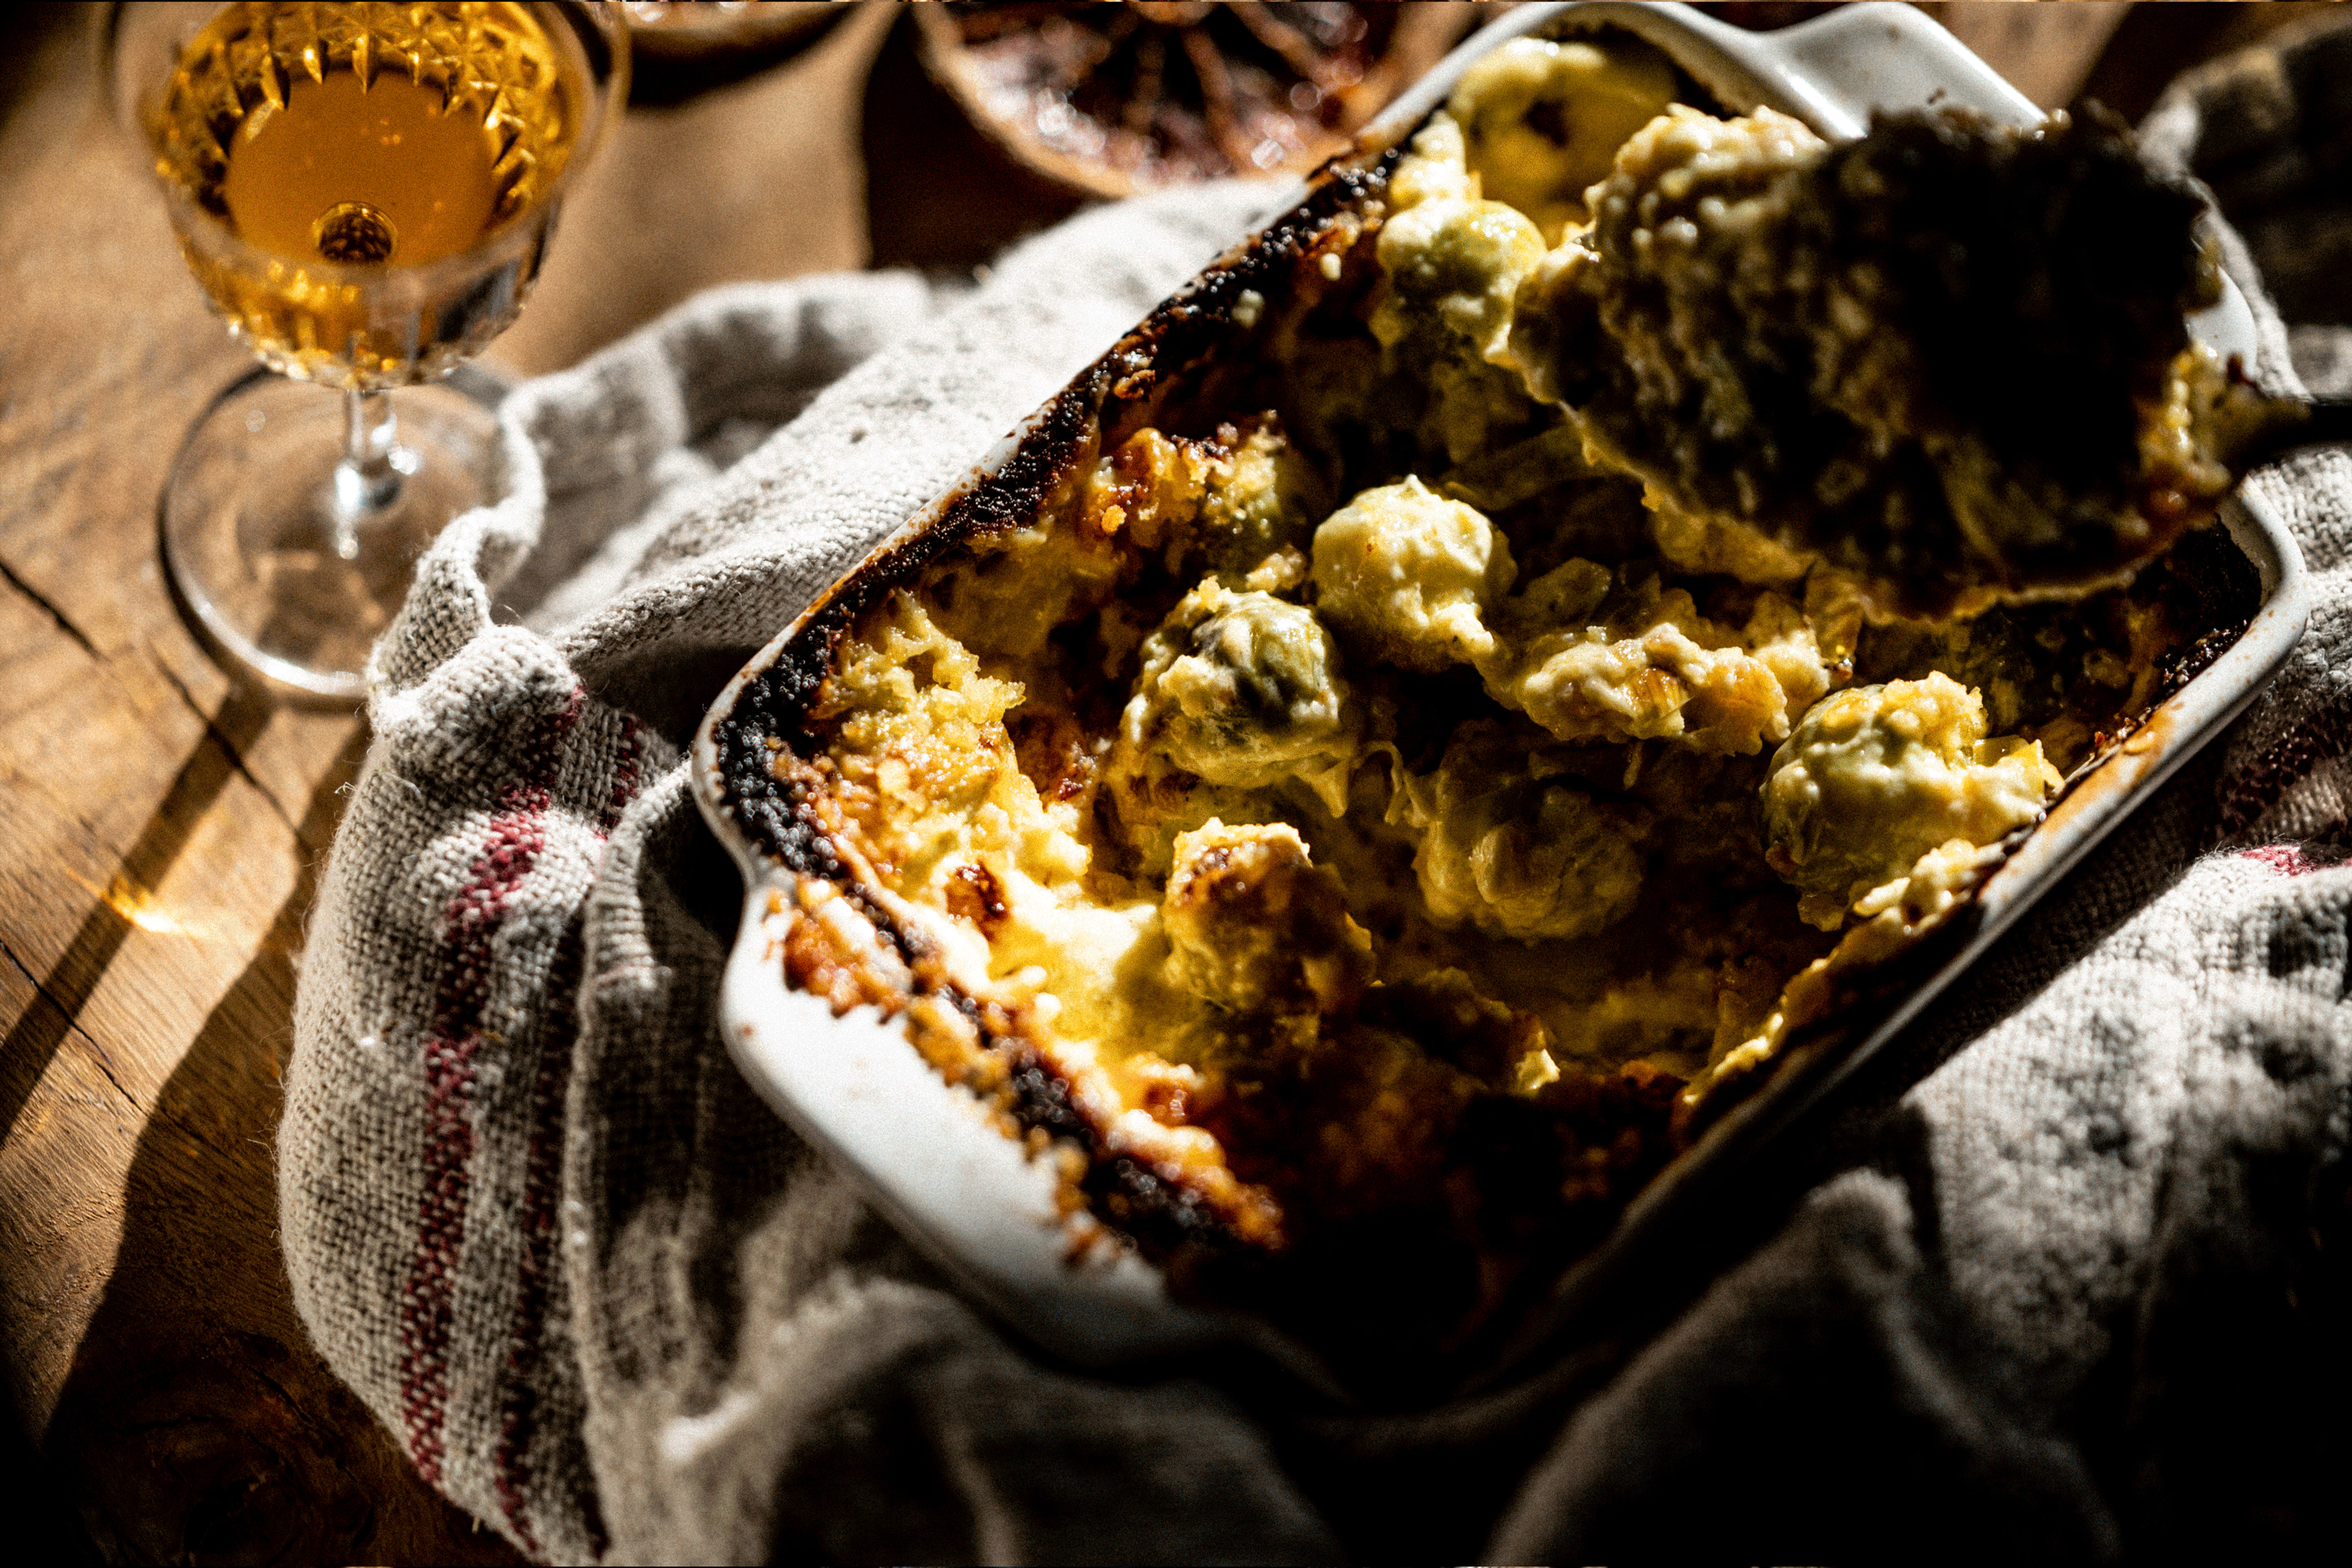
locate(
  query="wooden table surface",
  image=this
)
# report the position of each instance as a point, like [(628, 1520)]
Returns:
[(162, 824)]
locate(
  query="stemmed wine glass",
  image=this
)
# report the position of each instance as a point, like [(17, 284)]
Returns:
[(364, 193)]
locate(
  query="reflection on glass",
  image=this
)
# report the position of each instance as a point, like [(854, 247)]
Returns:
[(364, 193)]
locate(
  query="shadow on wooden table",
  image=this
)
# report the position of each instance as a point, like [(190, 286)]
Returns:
[(69, 983), (196, 1424)]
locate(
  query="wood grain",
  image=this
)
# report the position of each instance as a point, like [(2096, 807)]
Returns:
[(161, 825)]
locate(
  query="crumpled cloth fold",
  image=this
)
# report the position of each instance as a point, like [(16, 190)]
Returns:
[(2063, 1288)]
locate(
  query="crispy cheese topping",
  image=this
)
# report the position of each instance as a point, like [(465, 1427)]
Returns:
[(1584, 794)]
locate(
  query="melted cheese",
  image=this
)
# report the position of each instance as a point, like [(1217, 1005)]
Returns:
[(1515, 853), (1451, 264), (1372, 840), (1592, 655), (1254, 926), (1542, 120)]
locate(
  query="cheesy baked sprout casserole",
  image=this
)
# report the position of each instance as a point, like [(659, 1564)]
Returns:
[(1359, 823)]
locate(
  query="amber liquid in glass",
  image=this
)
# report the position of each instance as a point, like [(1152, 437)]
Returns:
[(340, 139), (351, 173)]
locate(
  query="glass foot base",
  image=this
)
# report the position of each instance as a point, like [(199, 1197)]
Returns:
[(284, 575)]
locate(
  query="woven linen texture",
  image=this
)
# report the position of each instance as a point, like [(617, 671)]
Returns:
[(610, 1304)]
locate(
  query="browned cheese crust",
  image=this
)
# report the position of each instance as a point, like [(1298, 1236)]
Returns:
[(1330, 821)]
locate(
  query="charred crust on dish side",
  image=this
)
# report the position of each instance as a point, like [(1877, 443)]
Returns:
[(1121, 387), (768, 723), (1187, 339)]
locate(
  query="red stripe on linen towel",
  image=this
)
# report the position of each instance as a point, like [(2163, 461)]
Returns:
[(2318, 739), (511, 848), (519, 1404)]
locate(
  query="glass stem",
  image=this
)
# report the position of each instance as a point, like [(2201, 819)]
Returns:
[(367, 480)]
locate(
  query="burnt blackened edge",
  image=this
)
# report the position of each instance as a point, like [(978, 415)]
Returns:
[(767, 726), (1187, 328)]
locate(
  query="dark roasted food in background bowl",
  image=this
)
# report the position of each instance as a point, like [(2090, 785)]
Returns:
[(1336, 822), (1112, 99)]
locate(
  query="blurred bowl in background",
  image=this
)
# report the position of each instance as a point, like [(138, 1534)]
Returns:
[(682, 49), (1111, 100)]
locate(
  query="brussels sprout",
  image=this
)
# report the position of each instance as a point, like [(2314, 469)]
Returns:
[(1875, 777), (1252, 926)]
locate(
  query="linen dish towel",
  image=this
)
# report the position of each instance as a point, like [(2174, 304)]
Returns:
[(2066, 1288)]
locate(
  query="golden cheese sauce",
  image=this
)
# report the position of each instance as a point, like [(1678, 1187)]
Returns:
[(1385, 836)]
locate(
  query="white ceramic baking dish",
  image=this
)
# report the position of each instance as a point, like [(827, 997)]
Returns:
[(931, 1156)]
